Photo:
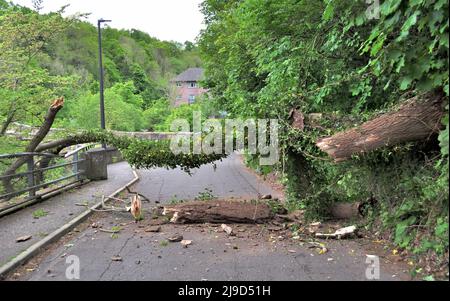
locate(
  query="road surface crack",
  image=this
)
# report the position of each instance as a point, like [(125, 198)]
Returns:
[(120, 251)]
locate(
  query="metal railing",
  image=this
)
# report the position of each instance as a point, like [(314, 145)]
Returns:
[(35, 176)]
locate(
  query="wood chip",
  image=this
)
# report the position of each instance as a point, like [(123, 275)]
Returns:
[(24, 238), (186, 243), (227, 229), (339, 234)]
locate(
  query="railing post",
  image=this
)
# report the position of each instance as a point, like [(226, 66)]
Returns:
[(30, 176), (75, 165), (97, 165)]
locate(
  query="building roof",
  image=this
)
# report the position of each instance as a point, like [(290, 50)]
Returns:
[(190, 75)]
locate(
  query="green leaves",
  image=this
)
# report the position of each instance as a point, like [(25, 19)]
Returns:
[(329, 11), (149, 153), (412, 37), (376, 47), (122, 107), (403, 235), (405, 83), (389, 6), (411, 21)]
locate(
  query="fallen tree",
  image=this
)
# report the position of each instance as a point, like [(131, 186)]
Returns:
[(56, 106), (140, 153), (219, 212), (416, 120)]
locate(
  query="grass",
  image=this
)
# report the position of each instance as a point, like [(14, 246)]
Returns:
[(141, 217), (207, 195), (175, 201), (275, 206), (164, 243), (116, 229), (39, 214)]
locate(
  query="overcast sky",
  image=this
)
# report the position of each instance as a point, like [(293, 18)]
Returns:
[(171, 20)]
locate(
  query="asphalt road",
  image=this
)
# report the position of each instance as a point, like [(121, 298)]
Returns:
[(58, 211), (229, 179), (257, 253)]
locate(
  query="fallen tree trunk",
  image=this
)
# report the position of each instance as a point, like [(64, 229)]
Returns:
[(81, 138), (219, 212), (58, 145), (418, 119)]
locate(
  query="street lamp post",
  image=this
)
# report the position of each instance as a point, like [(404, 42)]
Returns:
[(101, 75)]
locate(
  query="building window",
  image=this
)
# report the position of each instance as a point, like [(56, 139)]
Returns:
[(191, 99), (179, 97), (179, 84), (193, 85)]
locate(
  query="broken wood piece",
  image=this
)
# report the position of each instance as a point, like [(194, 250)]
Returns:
[(24, 238), (186, 243), (339, 234), (227, 229), (117, 259), (314, 227), (136, 207), (109, 231), (95, 226), (219, 212)]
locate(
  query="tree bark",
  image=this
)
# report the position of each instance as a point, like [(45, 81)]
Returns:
[(35, 141), (59, 145), (8, 121), (418, 119), (219, 212)]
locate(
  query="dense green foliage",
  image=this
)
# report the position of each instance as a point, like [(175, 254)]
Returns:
[(348, 61), (147, 153), (43, 56)]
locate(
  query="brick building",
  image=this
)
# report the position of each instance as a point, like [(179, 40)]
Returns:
[(186, 88)]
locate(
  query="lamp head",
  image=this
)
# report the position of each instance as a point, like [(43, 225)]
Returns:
[(104, 21)]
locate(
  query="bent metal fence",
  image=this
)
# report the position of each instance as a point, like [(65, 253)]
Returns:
[(42, 175)]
